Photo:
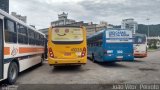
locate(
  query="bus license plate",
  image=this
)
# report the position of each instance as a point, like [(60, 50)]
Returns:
[(119, 56), (67, 54)]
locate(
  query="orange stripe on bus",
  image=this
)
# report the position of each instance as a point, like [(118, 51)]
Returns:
[(6, 50), (30, 50)]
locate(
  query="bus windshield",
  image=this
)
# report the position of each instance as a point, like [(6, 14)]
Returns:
[(139, 39), (67, 35)]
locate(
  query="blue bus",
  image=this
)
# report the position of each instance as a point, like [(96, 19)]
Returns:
[(111, 45)]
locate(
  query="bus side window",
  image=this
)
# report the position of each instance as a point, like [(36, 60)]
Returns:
[(93, 44), (90, 44), (41, 40), (36, 38), (96, 44), (22, 34), (100, 44), (10, 31), (44, 41), (31, 36)]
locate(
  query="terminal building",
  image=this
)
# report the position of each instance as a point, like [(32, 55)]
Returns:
[(91, 28), (4, 5), (22, 18), (62, 20), (45, 31), (130, 24)]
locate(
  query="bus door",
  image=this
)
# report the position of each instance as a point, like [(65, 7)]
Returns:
[(1, 48)]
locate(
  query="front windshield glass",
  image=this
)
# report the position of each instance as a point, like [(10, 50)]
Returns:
[(67, 35), (139, 39)]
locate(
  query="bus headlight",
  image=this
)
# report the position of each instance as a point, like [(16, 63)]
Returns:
[(119, 51), (109, 51)]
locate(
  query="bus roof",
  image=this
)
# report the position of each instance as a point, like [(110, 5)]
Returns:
[(3, 13), (96, 34), (66, 26)]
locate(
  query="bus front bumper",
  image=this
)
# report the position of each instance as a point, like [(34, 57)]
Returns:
[(140, 55), (116, 59), (52, 61)]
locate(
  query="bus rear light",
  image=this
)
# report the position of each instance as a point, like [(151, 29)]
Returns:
[(83, 52), (51, 53)]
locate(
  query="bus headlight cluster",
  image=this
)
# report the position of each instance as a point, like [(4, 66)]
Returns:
[(119, 51), (109, 51)]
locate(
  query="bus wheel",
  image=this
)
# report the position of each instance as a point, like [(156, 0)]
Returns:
[(78, 66), (12, 73), (42, 59), (56, 67), (93, 59)]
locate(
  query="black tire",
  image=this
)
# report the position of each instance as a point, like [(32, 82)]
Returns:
[(56, 67), (42, 59), (12, 73), (78, 66)]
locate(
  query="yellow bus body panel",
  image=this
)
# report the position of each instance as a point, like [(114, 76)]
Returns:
[(67, 54)]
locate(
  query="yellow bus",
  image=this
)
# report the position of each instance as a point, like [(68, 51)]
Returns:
[(67, 45)]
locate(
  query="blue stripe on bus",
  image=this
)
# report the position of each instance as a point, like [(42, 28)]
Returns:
[(20, 58)]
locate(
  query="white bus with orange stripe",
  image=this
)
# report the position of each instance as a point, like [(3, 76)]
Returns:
[(21, 47), (140, 45)]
